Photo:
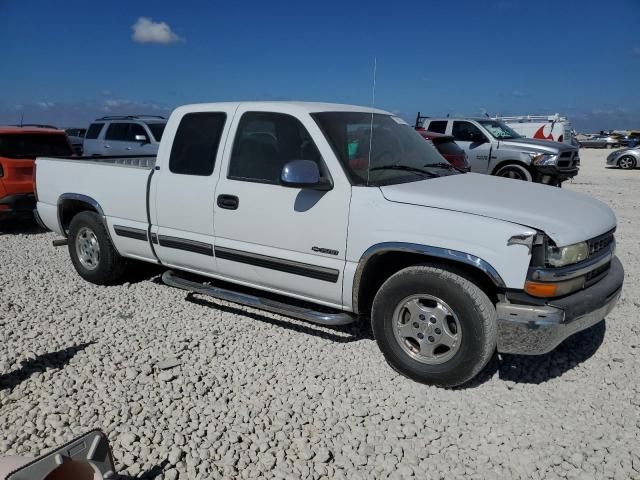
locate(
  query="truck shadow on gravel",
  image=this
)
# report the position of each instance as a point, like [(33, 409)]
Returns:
[(17, 227), (343, 334), (154, 472), (537, 369), (41, 363)]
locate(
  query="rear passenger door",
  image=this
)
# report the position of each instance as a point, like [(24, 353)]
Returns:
[(467, 135), (182, 190)]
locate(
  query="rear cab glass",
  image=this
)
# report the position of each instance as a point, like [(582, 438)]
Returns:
[(196, 142), (438, 126), (32, 145)]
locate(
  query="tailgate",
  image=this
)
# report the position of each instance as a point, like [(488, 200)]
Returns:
[(17, 175)]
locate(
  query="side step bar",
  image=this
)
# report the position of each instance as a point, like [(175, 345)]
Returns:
[(331, 319)]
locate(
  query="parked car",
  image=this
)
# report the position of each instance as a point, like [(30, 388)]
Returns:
[(600, 141), (448, 266), (448, 148), (494, 148), (76, 138), (124, 135), (626, 158), (19, 147)]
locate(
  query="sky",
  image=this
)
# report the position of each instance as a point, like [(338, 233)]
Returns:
[(69, 62)]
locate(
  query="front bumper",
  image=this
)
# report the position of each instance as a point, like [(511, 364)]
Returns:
[(17, 206), (537, 329), (558, 175)]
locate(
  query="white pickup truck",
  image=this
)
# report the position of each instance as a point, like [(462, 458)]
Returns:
[(338, 213)]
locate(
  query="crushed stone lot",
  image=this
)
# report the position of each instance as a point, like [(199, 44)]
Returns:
[(245, 394)]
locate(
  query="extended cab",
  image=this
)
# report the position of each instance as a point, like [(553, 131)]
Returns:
[(351, 213), (19, 147), (496, 149)]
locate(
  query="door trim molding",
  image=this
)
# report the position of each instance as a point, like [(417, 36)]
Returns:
[(130, 232), (185, 244), (282, 265)]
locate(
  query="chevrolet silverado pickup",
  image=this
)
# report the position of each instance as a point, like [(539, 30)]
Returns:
[(334, 214)]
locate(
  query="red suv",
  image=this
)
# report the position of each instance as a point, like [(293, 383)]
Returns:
[(19, 147), (448, 148)]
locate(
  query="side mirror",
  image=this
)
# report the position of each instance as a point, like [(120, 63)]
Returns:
[(142, 138), (303, 174)]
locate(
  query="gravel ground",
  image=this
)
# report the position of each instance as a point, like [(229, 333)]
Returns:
[(257, 395)]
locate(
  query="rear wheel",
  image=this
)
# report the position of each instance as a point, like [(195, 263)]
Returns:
[(434, 326), (627, 162), (514, 171), (92, 253)]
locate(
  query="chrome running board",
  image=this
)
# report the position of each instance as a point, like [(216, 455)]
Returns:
[(331, 319)]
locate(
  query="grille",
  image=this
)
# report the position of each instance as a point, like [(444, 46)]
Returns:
[(598, 244), (568, 160), (566, 154)]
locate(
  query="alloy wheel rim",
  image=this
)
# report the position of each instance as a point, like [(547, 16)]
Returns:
[(427, 329), (88, 248)]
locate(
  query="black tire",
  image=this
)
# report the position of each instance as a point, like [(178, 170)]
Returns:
[(110, 266), (627, 162), (475, 312), (514, 171)]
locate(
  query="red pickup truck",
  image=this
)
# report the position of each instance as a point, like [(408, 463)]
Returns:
[(19, 147)]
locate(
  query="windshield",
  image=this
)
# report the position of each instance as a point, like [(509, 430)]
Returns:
[(156, 130), (394, 153), (499, 130), (30, 145)]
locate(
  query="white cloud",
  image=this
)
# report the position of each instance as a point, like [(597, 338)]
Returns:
[(145, 30), (107, 93), (46, 104)]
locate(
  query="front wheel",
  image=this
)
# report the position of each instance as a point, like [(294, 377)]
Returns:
[(514, 171), (434, 326), (92, 253)]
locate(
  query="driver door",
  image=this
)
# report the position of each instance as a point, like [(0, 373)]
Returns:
[(273, 236), (475, 143)]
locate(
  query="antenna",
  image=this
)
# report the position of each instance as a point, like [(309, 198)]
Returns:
[(373, 103), (21, 119)]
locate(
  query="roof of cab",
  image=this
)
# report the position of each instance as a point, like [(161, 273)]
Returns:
[(10, 130), (294, 106)]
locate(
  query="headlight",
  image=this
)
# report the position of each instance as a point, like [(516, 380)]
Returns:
[(543, 159), (561, 256)]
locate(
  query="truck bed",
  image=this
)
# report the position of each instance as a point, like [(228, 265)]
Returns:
[(97, 178)]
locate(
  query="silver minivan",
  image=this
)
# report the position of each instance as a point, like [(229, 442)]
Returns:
[(124, 135)]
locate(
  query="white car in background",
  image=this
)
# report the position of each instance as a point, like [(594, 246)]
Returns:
[(124, 135)]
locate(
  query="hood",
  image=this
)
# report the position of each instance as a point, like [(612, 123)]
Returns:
[(535, 145), (566, 217)]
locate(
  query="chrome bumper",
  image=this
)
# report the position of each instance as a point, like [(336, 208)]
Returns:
[(538, 329)]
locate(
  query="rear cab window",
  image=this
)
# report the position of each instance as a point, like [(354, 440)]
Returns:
[(438, 126), (196, 143)]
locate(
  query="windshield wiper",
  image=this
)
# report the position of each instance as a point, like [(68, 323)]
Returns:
[(405, 168), (448, 166)]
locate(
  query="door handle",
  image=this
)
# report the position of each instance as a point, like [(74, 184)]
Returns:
[(128, 148), (228, 202), (107, 146)]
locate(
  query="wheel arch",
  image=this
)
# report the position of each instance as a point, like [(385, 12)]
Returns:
[(504, 163), (70, 204), (381, 261)]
